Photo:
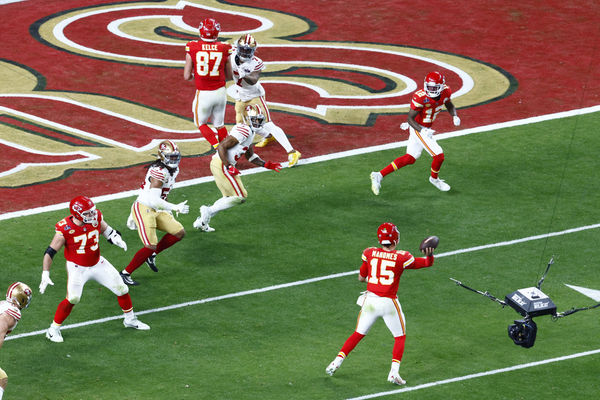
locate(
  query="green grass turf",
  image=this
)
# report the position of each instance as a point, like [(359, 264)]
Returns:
[(313, 221)]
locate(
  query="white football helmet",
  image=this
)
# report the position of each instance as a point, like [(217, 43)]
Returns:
[(168, 153), (19, 294)]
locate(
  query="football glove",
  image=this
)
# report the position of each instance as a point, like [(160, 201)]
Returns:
[(233, 171), (456, 120), (427, 132), (45, 281), (114, 237), (274, 166), (244, 70), (181, 208), (404, 126)]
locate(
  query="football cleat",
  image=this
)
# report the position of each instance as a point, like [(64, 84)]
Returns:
[(395, 379), (136, 324), (333, 366), (293, 158), (151, 261), (127, 279), (53, 333), (202, 221), (265, 142), (376, 178), (439, 183)]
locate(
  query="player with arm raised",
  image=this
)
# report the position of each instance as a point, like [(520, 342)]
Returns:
[(425, 106), (223, 166), (207, 63), (381, 269), (79, 234), (247, 90), (18, 297)]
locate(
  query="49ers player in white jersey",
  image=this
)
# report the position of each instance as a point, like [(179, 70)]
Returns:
[(381, 269), (207, 62), (152, 211), (223, 166), (425, 106), (247, 90), (79, 234), (18, 297)]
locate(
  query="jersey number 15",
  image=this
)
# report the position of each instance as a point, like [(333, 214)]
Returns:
[(381, 272)]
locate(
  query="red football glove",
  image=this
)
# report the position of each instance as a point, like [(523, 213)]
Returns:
[(233, 171), (274, 166)]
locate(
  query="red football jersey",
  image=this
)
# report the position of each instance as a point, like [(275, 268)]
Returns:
[(383, 269), (209, 60), (427, 107), (82, 245)]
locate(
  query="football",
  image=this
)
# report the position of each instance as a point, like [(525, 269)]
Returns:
[(431, 241)]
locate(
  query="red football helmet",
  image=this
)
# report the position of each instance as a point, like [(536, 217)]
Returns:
[(209, 29), (19, 294), (434, 84), (387, 233), (84, 209)]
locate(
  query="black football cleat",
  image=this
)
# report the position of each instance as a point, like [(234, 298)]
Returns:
[(151, 261), (127, 279)]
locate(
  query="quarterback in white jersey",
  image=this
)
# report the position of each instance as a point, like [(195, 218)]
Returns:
[(247, 90), (223, 166), (152, 211), (18, 297)]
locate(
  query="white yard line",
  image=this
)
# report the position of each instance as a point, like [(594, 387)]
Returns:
[(327, 157), (302, 282)]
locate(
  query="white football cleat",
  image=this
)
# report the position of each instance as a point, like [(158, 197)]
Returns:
[(202, 221), (136, 324), (395, 379), (440, 184), (376, 178), (53, 333), (333, 366)]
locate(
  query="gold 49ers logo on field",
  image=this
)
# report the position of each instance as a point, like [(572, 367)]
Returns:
[(332, 82)]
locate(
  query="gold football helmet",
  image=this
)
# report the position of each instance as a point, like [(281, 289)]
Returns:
[(169, 154), (19, 294), (254, 116), (246, 46)]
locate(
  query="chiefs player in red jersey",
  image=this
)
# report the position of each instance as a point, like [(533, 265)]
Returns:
[(207, 61), (79, 234), (425, 105), (381, 269), (18, 297)]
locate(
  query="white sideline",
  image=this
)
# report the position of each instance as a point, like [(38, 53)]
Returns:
[(302, 282), (477, 375), (327, 157)]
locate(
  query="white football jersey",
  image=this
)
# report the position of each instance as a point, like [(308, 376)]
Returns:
[(242, 90), (244, 136), (13, 311), (162, 174)]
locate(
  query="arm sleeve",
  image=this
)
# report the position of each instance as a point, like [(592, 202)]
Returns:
[(422, 262), (364, 269), (152, 198)]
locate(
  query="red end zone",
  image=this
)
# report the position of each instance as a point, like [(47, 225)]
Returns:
[(548, 54)]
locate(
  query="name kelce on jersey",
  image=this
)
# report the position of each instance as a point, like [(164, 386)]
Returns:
[(384, 255), (210, 47)]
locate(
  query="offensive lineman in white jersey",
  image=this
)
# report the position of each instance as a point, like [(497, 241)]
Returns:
[(223, 166), (152, 211), (247, 90)]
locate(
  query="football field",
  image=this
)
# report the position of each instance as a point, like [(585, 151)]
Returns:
[(257, 309)]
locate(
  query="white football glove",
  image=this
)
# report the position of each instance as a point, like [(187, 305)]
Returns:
[(427, 132), (244, 70), (45, 281), (404, 126), (456, 120), (130, 223), (182, 208), (116, 239)]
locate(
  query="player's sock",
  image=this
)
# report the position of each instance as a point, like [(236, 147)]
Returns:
[(62, 312), (279, 135), (1, 392), (208, 134), (125, 303), (221, 133), (224, 203), (436, 164), (351, 343), (167, 241), (138, 259), (398, 350), (397, 164)]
